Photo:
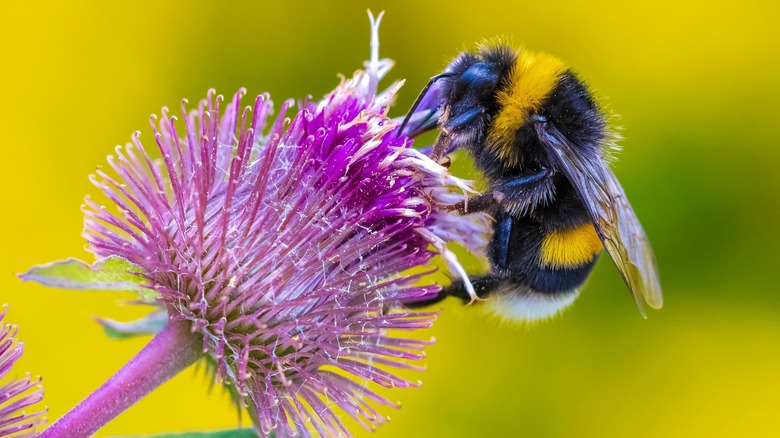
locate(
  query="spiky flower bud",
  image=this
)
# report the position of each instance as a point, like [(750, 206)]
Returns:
[(17, 394), (286, 245)]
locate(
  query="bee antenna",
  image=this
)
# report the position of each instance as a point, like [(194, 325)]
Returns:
[(420, 98)]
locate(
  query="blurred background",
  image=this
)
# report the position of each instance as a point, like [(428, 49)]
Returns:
[(696, 85)]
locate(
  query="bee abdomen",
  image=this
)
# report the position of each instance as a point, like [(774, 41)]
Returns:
[(553, 280), (518, 303), (565, 259), (570, 248)]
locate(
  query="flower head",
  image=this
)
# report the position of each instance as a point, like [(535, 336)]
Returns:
[(287, 243), (16, 395)]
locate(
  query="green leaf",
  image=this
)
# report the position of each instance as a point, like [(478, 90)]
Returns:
[(233, 433), (109, 274), (150, 324)]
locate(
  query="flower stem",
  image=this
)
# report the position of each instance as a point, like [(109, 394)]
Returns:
[(169, 352)]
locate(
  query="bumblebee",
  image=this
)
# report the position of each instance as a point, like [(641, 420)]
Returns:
[(543, 143)]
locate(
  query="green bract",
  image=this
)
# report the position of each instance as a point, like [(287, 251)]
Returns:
[(111, 273)]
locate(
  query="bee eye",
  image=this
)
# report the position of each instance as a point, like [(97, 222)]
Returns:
[(481, 79)]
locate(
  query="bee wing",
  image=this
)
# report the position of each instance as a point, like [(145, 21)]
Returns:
[(614, 219)]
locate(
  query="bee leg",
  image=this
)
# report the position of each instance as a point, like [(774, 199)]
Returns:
[(525, 180), (436, 204), (427, 302), (498, 251), (483, 286), (442, 145), (474, 204), (517, 194), (525, 191), (458, 126)]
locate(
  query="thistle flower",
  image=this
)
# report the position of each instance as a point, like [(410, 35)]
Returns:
[(281, 249), (16, 395)]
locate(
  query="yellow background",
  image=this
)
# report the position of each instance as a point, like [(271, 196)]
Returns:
[(696, 84)]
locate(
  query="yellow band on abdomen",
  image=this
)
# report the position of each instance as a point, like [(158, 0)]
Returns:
[(570, 248)]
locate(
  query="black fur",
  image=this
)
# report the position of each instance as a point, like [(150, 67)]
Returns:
[(470, 104), (516, 257)]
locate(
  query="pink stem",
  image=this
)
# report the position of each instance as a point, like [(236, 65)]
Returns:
[(169, 352)]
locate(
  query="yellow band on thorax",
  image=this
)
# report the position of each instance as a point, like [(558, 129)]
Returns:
[(570, 248), (532, 79)]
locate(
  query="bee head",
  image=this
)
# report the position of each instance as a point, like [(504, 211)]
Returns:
[(461, 100), (469, 88)]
